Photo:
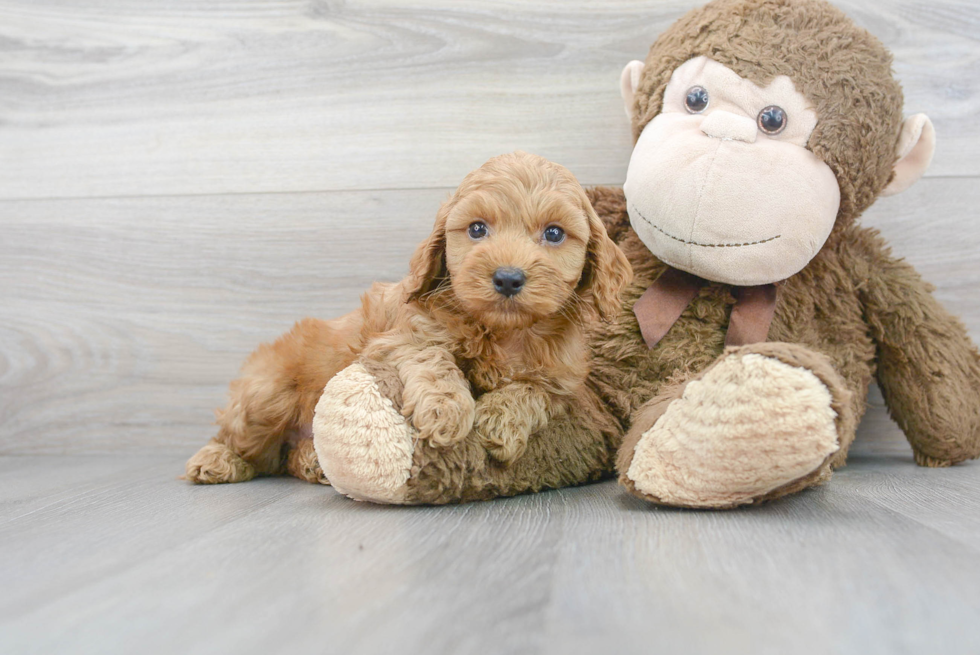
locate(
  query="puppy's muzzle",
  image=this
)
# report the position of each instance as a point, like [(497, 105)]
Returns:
[(508, 281)]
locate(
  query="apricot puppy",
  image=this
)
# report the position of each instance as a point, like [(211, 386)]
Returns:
[(492, 331), (487, 330)]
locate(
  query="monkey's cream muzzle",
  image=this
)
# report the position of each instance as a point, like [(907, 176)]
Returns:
[(711, 194)]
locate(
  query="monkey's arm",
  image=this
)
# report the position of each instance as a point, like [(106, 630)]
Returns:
[(507, 416), (928, 369)]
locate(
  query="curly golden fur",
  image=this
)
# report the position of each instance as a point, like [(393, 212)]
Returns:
[(466, 354)]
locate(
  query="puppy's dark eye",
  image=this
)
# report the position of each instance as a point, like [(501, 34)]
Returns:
[(554, 234), (772, 120), (696, 99), (477, 230)]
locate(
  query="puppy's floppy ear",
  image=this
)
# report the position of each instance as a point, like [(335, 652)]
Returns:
[(607, 271), (428, 265)]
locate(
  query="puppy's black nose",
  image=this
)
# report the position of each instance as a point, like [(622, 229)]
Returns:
[(509, 281)]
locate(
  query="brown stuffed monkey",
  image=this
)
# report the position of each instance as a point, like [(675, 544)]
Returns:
[(763, 129)]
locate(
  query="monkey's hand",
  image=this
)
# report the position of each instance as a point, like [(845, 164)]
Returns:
[(506, 418)]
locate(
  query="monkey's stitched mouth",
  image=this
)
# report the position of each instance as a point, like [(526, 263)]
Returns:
[(695, 243)]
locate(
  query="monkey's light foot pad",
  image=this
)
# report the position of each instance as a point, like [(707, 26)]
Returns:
[(364, 444), (750, 425)]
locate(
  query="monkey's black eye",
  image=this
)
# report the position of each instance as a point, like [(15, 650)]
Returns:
[(554, 234), (772, 120), (477, 230), (696, 100)]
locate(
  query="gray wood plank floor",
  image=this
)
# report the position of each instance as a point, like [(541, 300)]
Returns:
[(112, 555), (181, 180)]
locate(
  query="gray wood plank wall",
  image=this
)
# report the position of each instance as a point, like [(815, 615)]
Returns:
[(181, 180)]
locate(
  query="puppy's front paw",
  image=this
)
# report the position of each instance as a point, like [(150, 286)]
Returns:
[(444, 417), (500, 431)]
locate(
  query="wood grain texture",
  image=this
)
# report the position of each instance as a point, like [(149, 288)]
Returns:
[(112, 555), (132, 98), (123, 320)]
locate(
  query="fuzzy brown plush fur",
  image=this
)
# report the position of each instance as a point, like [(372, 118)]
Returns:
[(451, 351)]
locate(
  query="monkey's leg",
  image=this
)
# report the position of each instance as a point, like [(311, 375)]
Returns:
[(370, 452), (763, 421), (928, 369), (276, 392)]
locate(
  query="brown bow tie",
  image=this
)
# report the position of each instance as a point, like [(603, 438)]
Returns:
[(663, 303)]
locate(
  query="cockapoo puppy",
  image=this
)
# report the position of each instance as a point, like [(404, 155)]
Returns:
[(487, 332)]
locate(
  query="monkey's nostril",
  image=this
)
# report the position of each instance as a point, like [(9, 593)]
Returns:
[(508, 281)]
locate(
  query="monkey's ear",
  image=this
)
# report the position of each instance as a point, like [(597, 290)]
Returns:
[(916, 145), (629, 80)]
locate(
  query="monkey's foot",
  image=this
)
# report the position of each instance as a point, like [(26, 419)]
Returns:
[(761, 422), (364, 445)]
